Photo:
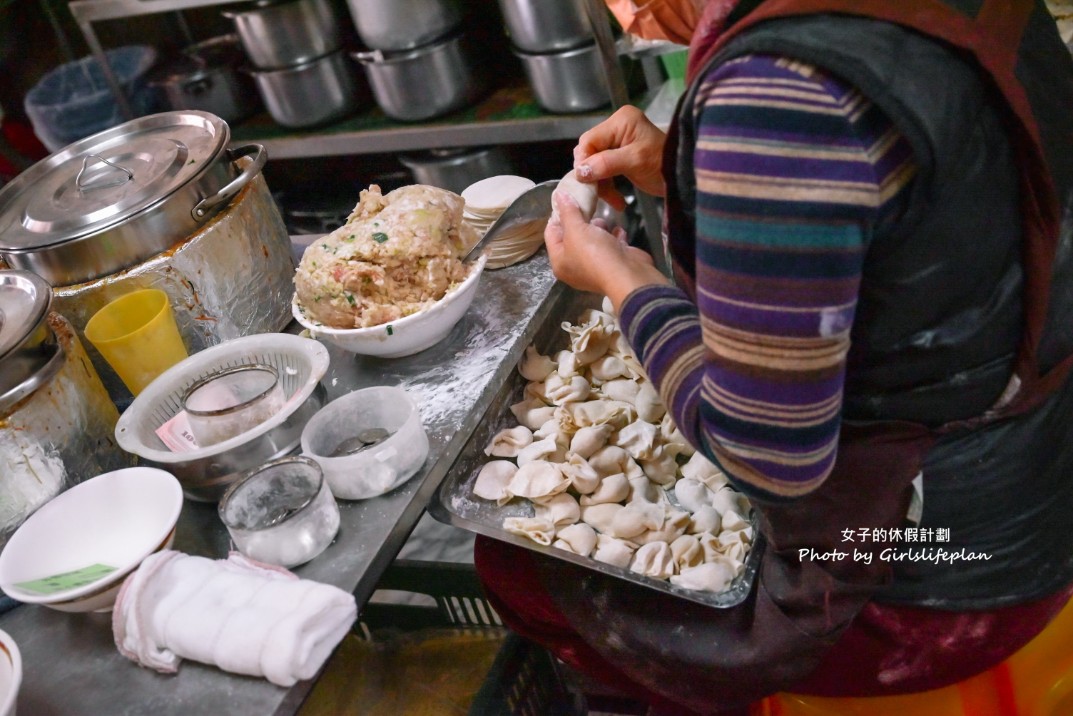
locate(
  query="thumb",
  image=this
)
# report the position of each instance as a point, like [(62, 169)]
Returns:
[(569, 212)]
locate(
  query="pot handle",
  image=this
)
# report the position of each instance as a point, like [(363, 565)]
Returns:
[(204, 208)]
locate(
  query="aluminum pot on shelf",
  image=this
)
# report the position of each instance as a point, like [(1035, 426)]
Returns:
[(403, 24), (456, 169), (57, 421), (282, 33), (566, 82), (206, 77), (546, 25), (312, 93), (118, 197), (423, 83)]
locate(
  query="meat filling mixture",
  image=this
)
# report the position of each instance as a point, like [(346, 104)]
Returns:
[(397, 254)]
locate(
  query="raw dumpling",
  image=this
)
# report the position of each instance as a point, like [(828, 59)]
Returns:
[(606, 306), (649, 405), (532, 412), (547, 449), (687, 552), (706, 519), (584, 196), (590, 341), (703, 470), (550, 427), (611, 459), (654, 560), (535, 367), (492, 481), (674, 526), (537, 480), (644, 490), (608, 368), (692, 495), (537, 529), (596, 412), (567, 364), (661, 468), (600, 517), (587, 440), (634, 519), (573, 391), (613, 551), (638, 439), (732, 520), (508, 442), (708, 577), (577, 538), (613, 488), (622, 389), (674, 442), (583, 478), (560, 510)]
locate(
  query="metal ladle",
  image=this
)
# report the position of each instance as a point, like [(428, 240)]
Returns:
[(364, 440)]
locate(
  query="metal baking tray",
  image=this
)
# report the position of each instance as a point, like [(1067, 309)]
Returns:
[(455, 504)]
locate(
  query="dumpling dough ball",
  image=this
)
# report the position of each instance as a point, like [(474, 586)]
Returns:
[(583, 194)]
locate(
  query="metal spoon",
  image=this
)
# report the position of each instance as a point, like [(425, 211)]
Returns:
[(362, 441), (533, 205)]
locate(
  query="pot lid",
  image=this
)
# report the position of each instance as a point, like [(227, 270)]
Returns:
[(24, 302), (103, 180)]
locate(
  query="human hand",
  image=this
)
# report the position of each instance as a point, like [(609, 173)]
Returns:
[(589, 258), (627, 144)]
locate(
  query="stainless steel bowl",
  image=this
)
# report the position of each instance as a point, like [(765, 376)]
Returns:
[(566, 82), (281, 33), (403, 24), (310, 94), (420, 84), (546, 25), (456, 169)]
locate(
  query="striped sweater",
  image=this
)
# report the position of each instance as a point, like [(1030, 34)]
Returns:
[(795, 171)]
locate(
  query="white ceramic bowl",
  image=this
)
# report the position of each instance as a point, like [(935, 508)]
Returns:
[(380, 468), (408, 335), (10, 674), (116, 519)]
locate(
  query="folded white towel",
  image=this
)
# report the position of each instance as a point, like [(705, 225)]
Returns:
[(242, 616)]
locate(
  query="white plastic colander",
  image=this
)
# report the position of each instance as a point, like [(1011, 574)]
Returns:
[(206, 471)]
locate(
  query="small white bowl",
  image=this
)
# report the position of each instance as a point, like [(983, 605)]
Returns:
[(116, 519), (377, 469), (10, 674), (408, 335)]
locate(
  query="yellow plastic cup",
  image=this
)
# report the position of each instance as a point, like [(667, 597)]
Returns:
[(137, 335)]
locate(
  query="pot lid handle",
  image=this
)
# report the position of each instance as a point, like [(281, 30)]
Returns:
[(204, 208), (100, 184)]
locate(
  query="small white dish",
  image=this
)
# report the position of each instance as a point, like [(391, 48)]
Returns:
[(408, 335), (101, 529), (10, 674)]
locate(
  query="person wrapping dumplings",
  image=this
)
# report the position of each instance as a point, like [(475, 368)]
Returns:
[(868, 330)]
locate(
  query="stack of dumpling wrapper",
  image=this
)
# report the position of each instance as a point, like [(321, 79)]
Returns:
[(486, 200), (604, 472)]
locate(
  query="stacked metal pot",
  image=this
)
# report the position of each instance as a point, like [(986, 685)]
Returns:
[(419, 64), (208, 76), (299, 64), (554, 41)]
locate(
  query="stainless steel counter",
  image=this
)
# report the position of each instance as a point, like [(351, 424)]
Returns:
[(70, 664)]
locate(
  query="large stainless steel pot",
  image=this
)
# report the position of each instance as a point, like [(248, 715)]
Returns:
[(403, 24), (281, 33), (206, 77), (546, 25), (427, 82), (456, 169), (57, 422), (116, 198), (316, 92), (570, 81)]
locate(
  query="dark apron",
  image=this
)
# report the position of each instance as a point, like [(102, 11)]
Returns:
[(800, 606)]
